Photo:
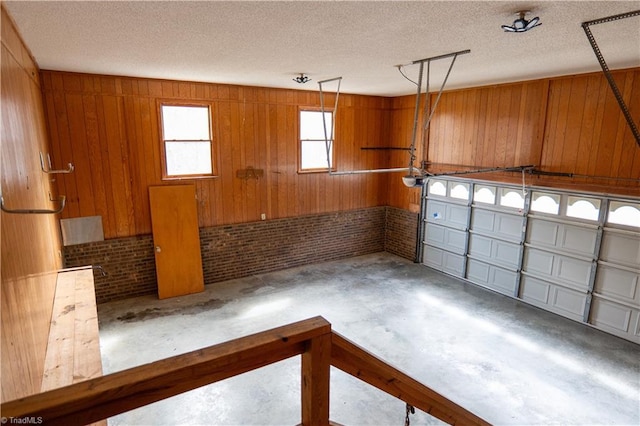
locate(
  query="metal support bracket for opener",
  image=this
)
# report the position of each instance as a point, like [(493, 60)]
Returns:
[(428, 110), (605, 68)]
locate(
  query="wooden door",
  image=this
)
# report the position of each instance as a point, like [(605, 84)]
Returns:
[(174, 221)]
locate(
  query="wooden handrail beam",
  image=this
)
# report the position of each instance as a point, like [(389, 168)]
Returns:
[(103, 397), (315, 381), (356, 361), (96, 399)]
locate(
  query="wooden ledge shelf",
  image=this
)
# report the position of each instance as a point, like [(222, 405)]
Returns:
[(73, 349)]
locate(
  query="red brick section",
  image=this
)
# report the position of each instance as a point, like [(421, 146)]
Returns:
[(401, 227), (234, 251), (257, 247), (128, 262)]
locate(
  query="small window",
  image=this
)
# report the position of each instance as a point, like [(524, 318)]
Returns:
[(484, 194), (511, 198), (315, 134), (545, 203), (459, 190), (624, 213), (186, 140), (583, 208), (437, 187)]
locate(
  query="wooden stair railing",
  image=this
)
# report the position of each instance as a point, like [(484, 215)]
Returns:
[(106, 396)]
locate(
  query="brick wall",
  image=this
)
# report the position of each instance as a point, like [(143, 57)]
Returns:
[(401, 227), (234, 251), (252, 248), (128, 262)]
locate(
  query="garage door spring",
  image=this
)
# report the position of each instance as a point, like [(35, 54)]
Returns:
[(410, 410)]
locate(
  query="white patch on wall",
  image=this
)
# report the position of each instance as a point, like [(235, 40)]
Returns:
[(80, 230)]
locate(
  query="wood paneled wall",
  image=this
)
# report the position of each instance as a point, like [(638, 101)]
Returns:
[(402, 117), (30, 243), (568, 124), (108, 128), (586, 133)]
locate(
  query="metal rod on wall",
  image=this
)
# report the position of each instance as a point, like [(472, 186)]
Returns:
[(69, 168), (62, 200)]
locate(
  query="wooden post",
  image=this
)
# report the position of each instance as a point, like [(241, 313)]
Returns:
[(315, 381)]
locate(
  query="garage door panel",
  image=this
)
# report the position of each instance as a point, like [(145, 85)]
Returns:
[(566, 253), (616, 319), (578, 240), (446, 238), (494, 251), (443, 260), (556, 267), (549, 296), (507, 253), (623, 249), (542, 232), (534, 291), (434, 234), (456, 241), (559, 236), (570, 302), (477, 271), (494, 277), (433, 257), (480, 245), (572, 270), (503, 281), (454, 264), (538, 261), (618, 283), (509, 226), (611, 315), (458, 215), (496, 224), (483, 220), (447, 214)]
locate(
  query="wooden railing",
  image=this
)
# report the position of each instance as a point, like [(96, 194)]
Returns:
[(109, 395)]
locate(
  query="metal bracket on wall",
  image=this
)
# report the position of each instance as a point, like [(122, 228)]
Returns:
[(249, 173), (62, 200), (605, 68), (69, 168)]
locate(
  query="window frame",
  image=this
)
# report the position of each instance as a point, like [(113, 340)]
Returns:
[(631, 203), (322, 141), (163, 141)]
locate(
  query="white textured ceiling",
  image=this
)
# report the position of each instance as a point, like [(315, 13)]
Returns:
[(268, 43)]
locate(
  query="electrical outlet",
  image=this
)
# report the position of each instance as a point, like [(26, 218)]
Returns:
[(263, 216)]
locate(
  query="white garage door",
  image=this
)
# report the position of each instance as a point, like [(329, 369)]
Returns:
[(616, 294), (447, 223), (577, 255), (560, 252), (495, 240)]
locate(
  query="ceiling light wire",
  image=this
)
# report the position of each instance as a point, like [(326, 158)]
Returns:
[(404, 75)]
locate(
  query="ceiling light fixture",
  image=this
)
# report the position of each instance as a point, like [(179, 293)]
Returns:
[(302, 79), (521, 25)]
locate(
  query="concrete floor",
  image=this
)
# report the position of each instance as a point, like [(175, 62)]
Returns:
[(508, 362)]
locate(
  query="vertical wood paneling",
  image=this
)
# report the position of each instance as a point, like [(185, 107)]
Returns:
[(30, 244), (110, 125), (570, 124), (587, 133), (567, 124)]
